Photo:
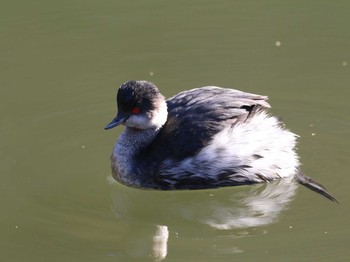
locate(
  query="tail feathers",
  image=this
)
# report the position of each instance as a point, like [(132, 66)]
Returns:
[(314, 186)]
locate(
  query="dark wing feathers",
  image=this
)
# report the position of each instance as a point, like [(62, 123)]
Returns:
[(195, 116)]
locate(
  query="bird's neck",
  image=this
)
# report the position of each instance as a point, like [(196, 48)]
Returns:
[(129, 144), (133, 140)]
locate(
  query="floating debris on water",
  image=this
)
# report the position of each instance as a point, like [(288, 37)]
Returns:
[(278, 43)]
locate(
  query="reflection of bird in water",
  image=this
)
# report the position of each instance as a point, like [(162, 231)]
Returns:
[(202, 138), (192, 215)]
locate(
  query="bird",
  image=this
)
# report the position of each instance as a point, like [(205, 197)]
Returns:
[(206, 137)]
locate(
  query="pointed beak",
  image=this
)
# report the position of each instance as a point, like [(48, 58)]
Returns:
[(119, 119)]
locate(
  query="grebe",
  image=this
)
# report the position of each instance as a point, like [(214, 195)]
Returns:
[(206, 137)]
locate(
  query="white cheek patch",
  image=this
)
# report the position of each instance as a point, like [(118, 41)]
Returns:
[(138, 121)]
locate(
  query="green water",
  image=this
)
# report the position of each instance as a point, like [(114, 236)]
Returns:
[(60, 65)]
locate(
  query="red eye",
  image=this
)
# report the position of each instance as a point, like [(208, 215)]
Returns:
[(135, 110)]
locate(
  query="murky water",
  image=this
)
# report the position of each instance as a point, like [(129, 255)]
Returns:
[(60, 65)]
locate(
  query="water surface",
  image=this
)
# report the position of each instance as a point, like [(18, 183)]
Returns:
[(60, 65)]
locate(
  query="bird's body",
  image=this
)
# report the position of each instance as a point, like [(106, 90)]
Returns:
[(202, 138)]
